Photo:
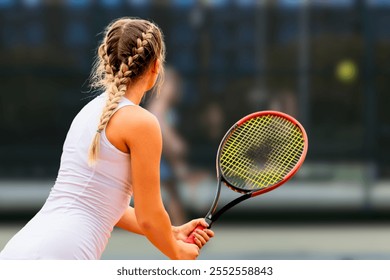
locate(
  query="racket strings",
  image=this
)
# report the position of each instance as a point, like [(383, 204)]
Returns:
[(280, 131), (253, 167), (261, 152), (240, 167), (273, 173), (230, 155), (248, 151), (285, 153)]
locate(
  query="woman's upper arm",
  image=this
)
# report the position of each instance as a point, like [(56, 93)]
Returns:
[(143, 137)]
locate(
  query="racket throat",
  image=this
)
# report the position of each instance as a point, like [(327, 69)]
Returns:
[(228, 206), (210, 215), (209, 220)]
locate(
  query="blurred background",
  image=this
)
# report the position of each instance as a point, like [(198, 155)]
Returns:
[(323, 61)]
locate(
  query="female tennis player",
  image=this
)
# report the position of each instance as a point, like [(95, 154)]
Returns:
[(111, 153)]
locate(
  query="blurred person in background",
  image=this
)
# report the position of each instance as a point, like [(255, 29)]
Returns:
[(207, 129), (173, 167), (111, 153), (212, 127)]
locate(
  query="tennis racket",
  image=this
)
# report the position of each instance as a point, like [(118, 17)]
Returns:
[(259, 153)]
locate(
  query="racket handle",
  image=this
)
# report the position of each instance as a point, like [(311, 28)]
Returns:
[(191, 237)]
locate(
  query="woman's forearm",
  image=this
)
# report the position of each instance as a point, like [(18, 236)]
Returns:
[(155, 225), (129, 221)]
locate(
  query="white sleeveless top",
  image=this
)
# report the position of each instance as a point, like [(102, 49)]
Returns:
[(85, 203)]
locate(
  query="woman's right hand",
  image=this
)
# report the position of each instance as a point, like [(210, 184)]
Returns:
[(187, 251), (201, 236)]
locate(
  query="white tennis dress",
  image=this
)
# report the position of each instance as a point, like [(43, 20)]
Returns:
[(85, 203)]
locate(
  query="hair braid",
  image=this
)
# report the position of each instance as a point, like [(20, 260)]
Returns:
[(125, 54), (115, 93)]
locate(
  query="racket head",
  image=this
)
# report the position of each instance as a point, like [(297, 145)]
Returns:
[(261, 151)]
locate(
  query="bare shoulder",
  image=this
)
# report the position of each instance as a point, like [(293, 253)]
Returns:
[(137, 124), (136, 114)]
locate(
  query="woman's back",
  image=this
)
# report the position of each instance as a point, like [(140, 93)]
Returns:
[(85, 202)]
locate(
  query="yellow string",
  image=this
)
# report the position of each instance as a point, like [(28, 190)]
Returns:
[(284, 140)]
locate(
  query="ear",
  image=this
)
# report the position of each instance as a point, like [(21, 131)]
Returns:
[(156, 66)]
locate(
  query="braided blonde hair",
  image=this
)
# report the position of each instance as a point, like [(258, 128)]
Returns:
[(130, 46)]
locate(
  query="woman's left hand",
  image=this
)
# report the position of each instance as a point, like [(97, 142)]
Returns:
[(201, 236)]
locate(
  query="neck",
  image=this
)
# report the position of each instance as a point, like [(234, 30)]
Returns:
[(135, 92)]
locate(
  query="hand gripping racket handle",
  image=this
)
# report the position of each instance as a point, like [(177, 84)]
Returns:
[(191, 237)]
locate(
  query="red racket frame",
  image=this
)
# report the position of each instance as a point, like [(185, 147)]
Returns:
[(211, 217)]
